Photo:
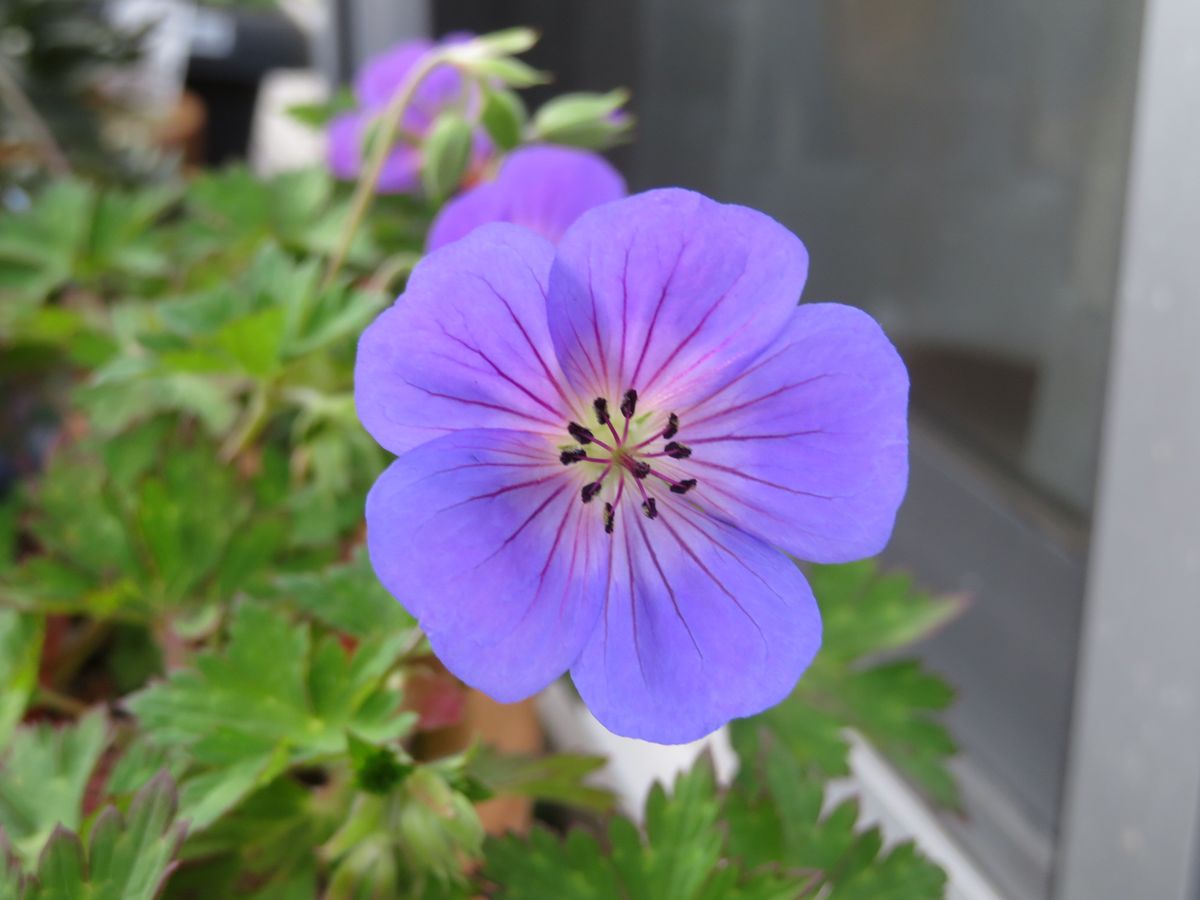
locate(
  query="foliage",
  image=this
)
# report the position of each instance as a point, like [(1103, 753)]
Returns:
[(852, 684), (128, 857), (765, 838), (54, 54), (204, 691)]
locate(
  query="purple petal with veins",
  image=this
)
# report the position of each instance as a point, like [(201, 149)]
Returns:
[(543, 188), (606, 448)]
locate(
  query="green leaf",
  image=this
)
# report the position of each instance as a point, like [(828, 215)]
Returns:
[(557, 777), (12, 878), (20, 653), (129, 856), (775, 818), (43, 776), (680, 855), (446, 153), (318, 115), (347, 597), (681, 847), (271, 700), (255, 342), (504, 116), (594, 121), (865, 611), (896, 705)]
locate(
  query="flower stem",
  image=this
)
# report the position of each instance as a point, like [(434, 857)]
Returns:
[(389, 129), (48, 698), (254, 418)]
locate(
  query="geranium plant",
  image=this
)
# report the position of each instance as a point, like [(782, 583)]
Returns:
[(615, 434)]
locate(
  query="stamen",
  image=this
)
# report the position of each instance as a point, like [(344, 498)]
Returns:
[(589, 491), (672, 427), (569, 457), (650, 508), (640, 469), (581, 434), (684, 486), (629, 403), (608, 518), (601, 407), (675, 450)]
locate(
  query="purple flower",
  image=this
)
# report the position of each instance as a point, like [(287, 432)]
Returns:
[(607, 448), (545, 189), (374, 88)]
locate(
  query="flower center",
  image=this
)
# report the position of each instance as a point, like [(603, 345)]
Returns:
[(625, 458)]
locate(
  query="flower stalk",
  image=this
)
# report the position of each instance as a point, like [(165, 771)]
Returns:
[(388, 131)]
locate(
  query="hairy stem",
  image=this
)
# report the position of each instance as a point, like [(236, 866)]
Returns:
[(389, 129)]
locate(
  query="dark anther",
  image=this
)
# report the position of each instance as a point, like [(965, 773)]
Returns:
[(580, 433), (567, 457), (589, 492), (676, 450), (640, 469), (629, 403), (672, 426), (650, 508), (684, 486), (608, 518), (601, 406)]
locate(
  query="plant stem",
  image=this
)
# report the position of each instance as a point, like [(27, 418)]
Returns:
[(14, 98), (47, 698), (254, 417), (389, 128)]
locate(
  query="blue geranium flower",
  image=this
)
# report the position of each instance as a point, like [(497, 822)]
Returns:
[(608, 450)]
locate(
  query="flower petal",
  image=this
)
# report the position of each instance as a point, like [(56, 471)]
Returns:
[(702, 623), (465, 346), (668, 291), (808, 448), (381, 75), (343, 145), (544, 189), (481, 535), (401, 170)]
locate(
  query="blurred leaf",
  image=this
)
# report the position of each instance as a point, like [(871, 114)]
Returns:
[(265, 848), (318, 115), (445, 155), (557, 777), (20, 653), (43, 775), (80, 234), (129, 856), (148, 521), (347, 597)]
